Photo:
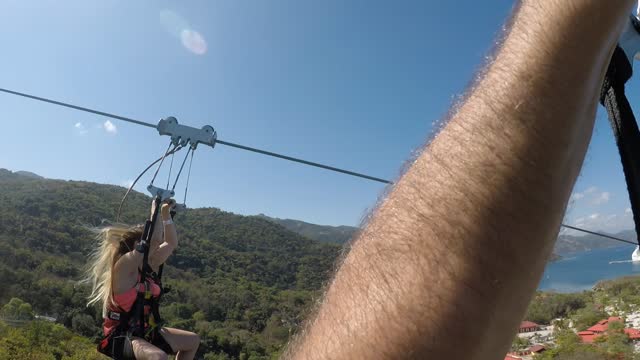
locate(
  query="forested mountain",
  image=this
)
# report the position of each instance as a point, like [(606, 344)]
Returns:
[(324, 233), (243, 283), (566, 244)]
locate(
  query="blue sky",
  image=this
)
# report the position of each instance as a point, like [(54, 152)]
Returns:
[(353, 84)]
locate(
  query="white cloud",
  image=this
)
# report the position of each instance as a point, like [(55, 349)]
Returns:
[(80, 128), (609, 223), (602, 198), (110, 127), (591, 196), (577, 196)]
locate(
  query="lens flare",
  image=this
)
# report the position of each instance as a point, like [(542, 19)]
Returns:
[(193, 41), (178, 27)]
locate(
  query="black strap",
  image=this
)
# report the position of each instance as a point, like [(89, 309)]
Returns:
[(623, 123), (147, 235)]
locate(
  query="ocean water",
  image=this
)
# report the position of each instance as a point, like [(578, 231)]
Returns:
[(580, 271)]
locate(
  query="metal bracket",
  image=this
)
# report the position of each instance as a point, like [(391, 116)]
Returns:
[(630, 39), (162, 193), (183, 135)]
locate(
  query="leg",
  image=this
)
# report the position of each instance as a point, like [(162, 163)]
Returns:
[(185, 343), (145, 351)]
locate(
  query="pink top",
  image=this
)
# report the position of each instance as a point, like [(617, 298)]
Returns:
[(125, 301)]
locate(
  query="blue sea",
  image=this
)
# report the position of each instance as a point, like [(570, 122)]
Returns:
[(580, 271)]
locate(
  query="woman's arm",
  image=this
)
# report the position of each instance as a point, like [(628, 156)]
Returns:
[(165, 249)]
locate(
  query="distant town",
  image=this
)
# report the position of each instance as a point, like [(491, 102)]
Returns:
[(599, 324)]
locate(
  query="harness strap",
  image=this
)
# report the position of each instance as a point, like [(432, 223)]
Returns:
[(624, 125)]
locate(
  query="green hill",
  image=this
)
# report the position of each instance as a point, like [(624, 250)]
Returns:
[(323, 233), (243, 283)]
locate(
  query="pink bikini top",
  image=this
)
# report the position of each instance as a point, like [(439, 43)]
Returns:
[(125, 300)]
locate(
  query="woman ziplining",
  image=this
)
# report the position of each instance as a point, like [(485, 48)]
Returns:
[(125, 273)]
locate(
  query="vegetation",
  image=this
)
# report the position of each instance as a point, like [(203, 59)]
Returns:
[(614, 345), (17, 309), (579, 311), (547, 306), (243, 283), (323, 233), (41, 340)]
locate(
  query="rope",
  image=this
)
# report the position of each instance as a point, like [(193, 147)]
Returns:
[(181, 167), (161, 161), (186, 188), (170, 168), (124, 198)]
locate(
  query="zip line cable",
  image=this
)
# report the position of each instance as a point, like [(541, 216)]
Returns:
[(238, 146), (599, 234), (301, 161), (247, 148), (101, 113)]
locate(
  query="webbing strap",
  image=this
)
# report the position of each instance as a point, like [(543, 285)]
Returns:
[(624, 125), (147, 236)]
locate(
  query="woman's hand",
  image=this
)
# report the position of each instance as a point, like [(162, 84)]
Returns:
[(165, 210)]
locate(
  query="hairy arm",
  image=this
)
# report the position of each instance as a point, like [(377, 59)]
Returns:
[(448, 263)]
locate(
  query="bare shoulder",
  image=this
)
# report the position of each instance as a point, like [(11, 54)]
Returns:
[(124, 277)]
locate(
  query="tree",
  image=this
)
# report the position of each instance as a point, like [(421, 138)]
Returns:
[(520, 343), (17, 309), (616, 343), (586, 317), (84, 324)]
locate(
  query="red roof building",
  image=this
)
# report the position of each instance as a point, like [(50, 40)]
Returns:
[(634, 334), (528, 326), (588, 336), (602, 325)]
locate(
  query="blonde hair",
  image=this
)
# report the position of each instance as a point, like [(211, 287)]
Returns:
[(113, 242)]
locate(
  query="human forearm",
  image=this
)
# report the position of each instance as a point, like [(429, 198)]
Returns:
[(170, 239), (170, 235), (457, 248)]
